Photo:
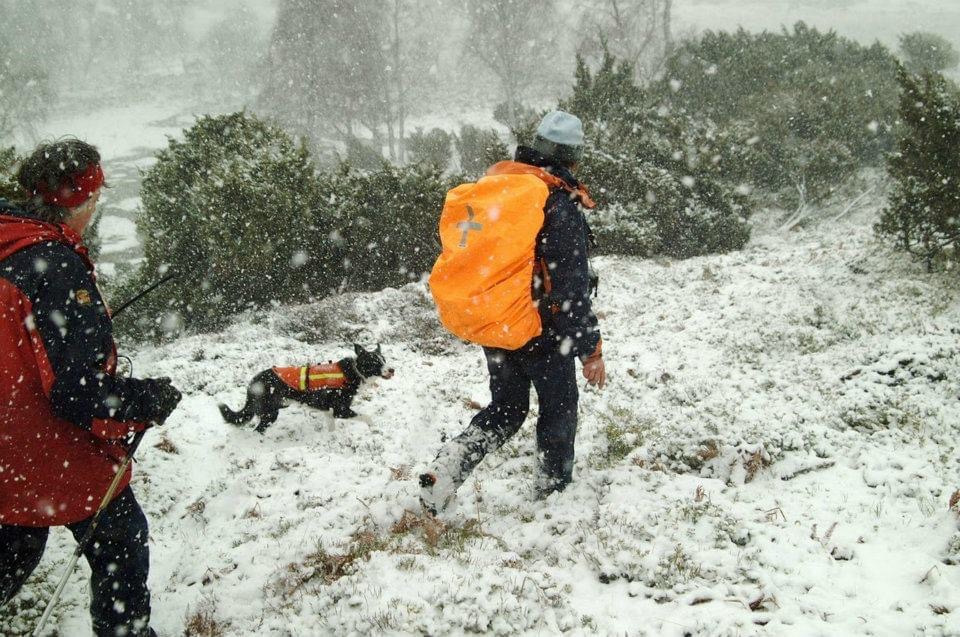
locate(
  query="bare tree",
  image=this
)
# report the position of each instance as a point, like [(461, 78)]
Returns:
[(325, 67), (634, 31), (512, 38), (412, 45), (25, 93), (350, 69), (228, 61)]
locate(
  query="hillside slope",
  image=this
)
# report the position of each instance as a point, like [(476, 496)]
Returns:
[(773, 456)]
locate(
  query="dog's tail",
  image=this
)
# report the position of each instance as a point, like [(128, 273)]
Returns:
[(241, 417)]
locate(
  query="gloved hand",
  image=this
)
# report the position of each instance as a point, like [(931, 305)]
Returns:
[(593, 368), (163, 398)]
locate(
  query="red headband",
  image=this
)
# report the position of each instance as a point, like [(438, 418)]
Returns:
[(75, 190)]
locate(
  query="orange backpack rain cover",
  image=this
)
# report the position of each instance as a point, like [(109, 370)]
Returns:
[(482, 280)]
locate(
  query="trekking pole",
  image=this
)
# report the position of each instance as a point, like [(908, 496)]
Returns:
[(82, 544), (142, 293)]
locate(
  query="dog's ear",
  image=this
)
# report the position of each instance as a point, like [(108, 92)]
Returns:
[(357, 349)]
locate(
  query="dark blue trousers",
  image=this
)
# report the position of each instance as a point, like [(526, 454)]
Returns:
[(512, 373), (119, 560)]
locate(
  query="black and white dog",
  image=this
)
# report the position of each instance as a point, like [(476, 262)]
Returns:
[(330, 386)]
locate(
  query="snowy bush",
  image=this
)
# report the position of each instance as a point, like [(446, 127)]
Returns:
[(624, 229), (231, 209), (654, 173), (431, 148), (362, 154), (924, 51), (817, 104), (478, 149), (665, 217), (382, 224), (923, 215), (9, 189), (405, 314), (238, 211), (515, 115)]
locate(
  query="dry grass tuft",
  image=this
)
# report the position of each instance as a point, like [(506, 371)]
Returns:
[(762, 603), (709, 451), (203, 622), (196, 510), (432, 528), (326, 566), (438, 535), (754, 464), (166, 445), (400, 473)]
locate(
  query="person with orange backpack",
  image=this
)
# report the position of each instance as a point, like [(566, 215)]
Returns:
[(514, 278)]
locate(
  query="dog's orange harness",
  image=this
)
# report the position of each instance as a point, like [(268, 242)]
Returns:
[(312, 377)]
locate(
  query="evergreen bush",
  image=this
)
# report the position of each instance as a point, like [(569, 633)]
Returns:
[(382, 224), (238, 211), (816, 105), (923, 214), (430, 148), (478, 150), (9, 188), (924, 51), (231, 209), (653, 173), (363, 155)]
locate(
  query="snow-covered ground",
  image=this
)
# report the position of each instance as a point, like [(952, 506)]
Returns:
[(774, 455)]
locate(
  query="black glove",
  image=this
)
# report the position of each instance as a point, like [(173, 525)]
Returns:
[(160, 399)]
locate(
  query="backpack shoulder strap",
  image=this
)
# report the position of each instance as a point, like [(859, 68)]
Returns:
[(518, 168)]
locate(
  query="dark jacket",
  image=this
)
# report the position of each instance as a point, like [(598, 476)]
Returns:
[(563, 248), (63, 411)]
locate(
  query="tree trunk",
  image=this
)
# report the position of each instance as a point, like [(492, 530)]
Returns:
[(391, 140), (399, 93), (667, 35)]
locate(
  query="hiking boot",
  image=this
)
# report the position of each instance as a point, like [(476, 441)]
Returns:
[(545, 487), (436, 494)]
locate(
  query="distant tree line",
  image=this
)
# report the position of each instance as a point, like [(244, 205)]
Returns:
[(685, 138), (679, 164)]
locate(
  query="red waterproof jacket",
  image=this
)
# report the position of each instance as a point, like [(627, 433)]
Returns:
[(63, 412)]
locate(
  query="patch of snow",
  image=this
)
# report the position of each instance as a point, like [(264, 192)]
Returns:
[(117, 234)]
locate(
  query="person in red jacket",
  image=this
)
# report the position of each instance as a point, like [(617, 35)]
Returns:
[(64, 413)]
